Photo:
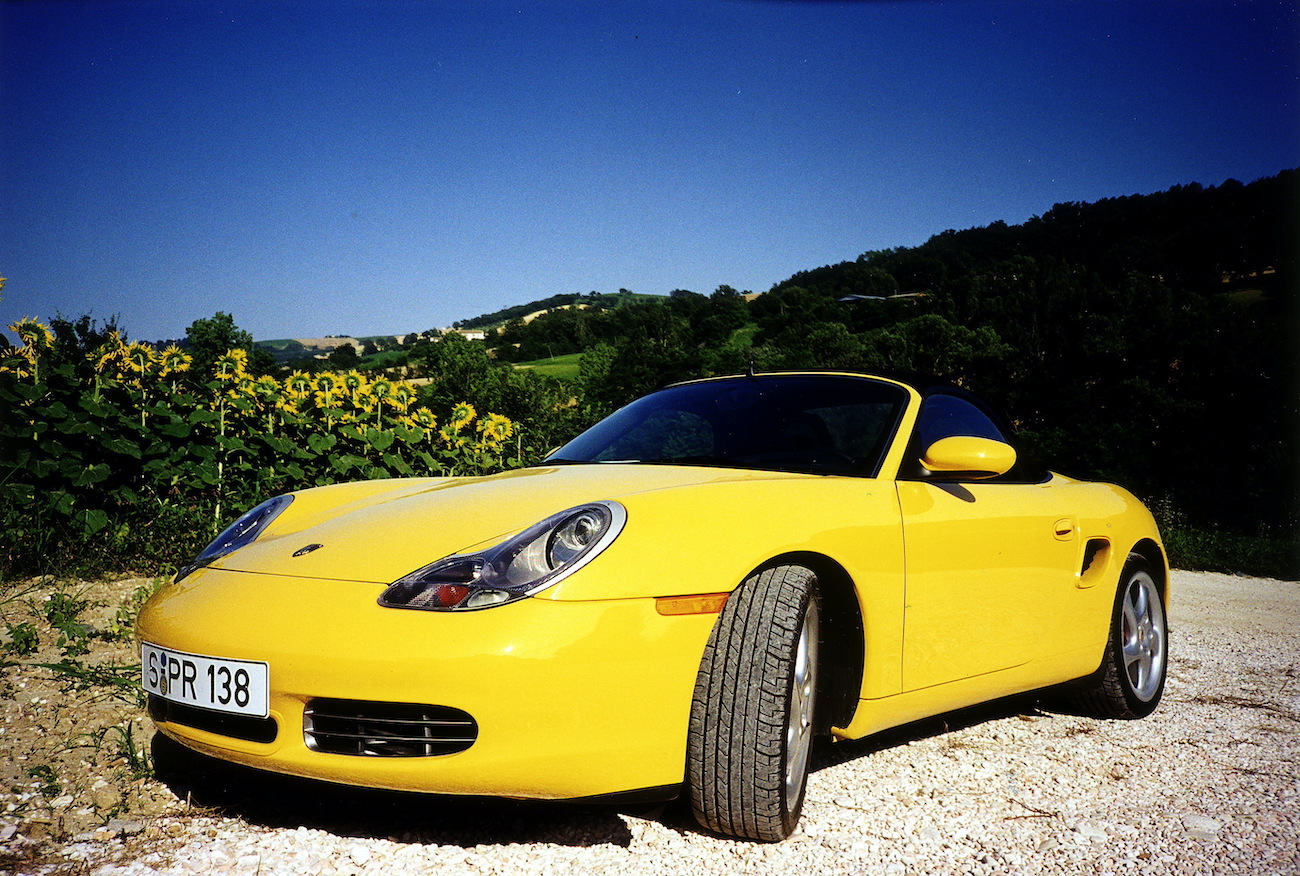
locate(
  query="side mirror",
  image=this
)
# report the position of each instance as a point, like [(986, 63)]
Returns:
[(969, 457)]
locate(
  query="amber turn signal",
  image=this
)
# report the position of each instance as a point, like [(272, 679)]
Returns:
[(708, 603)]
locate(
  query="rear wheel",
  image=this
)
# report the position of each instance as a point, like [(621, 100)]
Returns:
[(752, 728), (1132, 677)]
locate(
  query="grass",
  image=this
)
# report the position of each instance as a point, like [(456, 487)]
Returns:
[(1267, 552), (1271, 555), (560, 367)]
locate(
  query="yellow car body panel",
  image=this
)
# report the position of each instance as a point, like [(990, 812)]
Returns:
[(965, 590), (613, 719)]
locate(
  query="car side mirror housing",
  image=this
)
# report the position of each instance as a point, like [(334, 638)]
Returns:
[(968, 457)]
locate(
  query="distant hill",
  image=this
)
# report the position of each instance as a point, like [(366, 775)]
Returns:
[(595, 300), (292, 349)]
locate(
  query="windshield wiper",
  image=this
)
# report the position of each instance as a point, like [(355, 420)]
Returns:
[(716, 461)]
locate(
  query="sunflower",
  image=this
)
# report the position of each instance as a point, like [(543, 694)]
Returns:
[(327, 388), (325, 382), (232, 365), (495, 429), (354, 382), (402, 395), (297, 385), (140, 358), (451, 439), (174, 360), (461, 416), (34, 335), (267, 390), (112, 353), (422, 417)]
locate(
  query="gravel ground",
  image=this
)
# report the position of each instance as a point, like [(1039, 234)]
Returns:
[(1208, 784)]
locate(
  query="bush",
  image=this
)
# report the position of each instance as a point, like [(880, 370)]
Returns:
[(117, 455)]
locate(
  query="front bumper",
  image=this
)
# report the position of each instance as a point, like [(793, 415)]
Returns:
[(571, 699)]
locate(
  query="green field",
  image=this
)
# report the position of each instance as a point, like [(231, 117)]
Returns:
[(560, 367)]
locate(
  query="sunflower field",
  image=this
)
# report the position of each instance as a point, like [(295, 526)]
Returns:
[(121, 456)]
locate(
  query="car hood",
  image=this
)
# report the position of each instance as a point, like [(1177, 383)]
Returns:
[(398, 526)]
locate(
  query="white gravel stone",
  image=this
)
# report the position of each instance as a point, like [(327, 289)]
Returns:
[(1208, 784)]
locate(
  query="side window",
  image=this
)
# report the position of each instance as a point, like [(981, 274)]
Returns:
[(943, 416)]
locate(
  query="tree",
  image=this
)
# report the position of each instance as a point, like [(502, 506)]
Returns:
[(345, 357), (208, 339)]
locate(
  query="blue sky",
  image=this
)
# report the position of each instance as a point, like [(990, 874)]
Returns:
[(383, 167)]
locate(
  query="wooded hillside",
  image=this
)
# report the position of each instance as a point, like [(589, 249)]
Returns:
[(1148, 339)]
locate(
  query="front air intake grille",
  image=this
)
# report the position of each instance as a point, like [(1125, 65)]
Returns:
[(234, 726), (370, 729)]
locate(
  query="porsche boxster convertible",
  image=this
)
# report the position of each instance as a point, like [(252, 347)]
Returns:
[(678, 601)]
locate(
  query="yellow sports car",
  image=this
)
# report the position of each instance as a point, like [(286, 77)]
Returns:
[(677, 601)]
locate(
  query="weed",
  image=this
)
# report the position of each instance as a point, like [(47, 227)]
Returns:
[(62, 610), (112, 681), (21, 639), (138, 762), (123, 623), (44, 773), (11, 591)]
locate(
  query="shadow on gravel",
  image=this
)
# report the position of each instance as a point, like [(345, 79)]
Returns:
[(274, 800), (832, 754)]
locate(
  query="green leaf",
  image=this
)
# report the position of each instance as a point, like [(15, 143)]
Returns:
[(175, 428), (346, 463), (55, 411), (321, 442), (381, 441), (92, 520), (62, 502), (280, 445), (91, 475), (124, 447), (95, 408), (232, 444), (29, 392)]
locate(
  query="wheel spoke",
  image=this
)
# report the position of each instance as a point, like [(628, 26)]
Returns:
[(799, 724), (1141, 607), (1130, 623)]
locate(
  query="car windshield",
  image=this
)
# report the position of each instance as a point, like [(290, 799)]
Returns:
[(820, 424)]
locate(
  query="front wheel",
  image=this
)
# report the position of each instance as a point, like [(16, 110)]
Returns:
[(1132, 676), (751, 729)]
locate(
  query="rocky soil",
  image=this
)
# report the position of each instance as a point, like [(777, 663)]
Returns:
[(1209, 784)]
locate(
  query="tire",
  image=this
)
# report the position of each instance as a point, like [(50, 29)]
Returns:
[(1131, 679), (752, 727)]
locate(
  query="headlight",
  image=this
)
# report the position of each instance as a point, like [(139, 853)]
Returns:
[(520, 566), (243, 531)]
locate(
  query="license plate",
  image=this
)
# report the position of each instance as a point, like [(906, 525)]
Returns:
[(235, 686)]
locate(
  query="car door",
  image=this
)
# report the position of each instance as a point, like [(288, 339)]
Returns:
[(988, 563)]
